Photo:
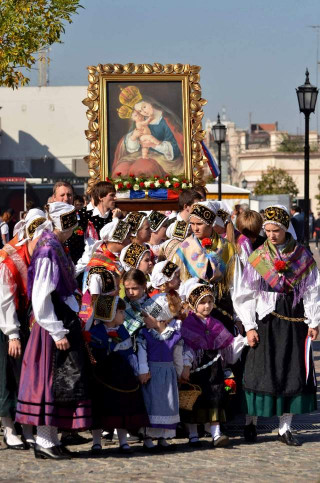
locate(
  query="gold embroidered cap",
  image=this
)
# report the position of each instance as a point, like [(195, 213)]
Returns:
[(63, 215), (197, 293), (278, 216), (156, 220), (131, 256), (105, 307), (30, 229), (135, 220), (107, 277), (169, 269), (224, 215), (200, 210)]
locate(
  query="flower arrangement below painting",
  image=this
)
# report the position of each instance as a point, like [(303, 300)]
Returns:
[(141, 183)]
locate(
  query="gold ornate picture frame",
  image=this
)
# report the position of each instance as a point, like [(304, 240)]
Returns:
[(145, 117)]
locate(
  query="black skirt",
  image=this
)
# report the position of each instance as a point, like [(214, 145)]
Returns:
[(277, 365)]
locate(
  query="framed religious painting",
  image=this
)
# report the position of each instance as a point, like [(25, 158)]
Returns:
[(145, 128)]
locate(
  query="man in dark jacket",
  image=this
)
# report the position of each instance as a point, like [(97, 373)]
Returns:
[(297, 221)]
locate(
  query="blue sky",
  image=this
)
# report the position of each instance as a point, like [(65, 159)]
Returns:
[(253, 53)]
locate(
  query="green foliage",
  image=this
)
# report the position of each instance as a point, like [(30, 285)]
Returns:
[(317, 197), (294, 145), (275, 181), (25, 28)]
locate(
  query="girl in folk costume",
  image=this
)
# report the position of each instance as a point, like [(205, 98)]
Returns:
[(53, 388), (100, 259), (136, 256), (277, 300), (117, 400), (136, 298), (158, 225), (165, 278), (140, 227), (14, 328), (207, 342), (160, 359), (224, 227)]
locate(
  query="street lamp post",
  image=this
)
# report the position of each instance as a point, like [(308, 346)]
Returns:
[(307, 99), (219, 134)]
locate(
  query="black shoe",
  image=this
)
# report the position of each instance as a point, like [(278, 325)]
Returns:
[(96, 449), (165, 447), (195, 444), (125, 449), (49, 453), (73, 439), (153, 449), (288, 439), (20, 447), (250, 433), (65, 451), (29, 444)]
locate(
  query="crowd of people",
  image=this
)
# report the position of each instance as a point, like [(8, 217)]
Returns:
[(145, 323)]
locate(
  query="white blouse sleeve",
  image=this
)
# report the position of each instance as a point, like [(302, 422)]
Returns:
[(244, 298), (142, 355), (95, 284), (42, 305), (9, 323), (311, 301), (232, 353), (178, 357)]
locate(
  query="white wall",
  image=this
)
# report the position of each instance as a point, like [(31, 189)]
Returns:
[(43, 121)]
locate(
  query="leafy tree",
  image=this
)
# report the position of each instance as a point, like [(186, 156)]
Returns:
[(25, 28), (275, 181)]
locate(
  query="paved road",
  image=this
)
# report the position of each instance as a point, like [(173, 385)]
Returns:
[(268, 460)]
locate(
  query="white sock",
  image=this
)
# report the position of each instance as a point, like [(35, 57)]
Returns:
[(285, 423), (193, 432), (27, 430), (44, 437), (122, 436), (148, 442), (251, 420), (10, 431), (96, 436), (215, 431), (54, 436), (163, 442)]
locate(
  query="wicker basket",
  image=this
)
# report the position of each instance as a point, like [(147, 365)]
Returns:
[(188, 397)]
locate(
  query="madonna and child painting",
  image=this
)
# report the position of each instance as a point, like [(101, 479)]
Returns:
[(145, 128)]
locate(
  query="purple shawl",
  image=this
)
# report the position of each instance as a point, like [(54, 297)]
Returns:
[(50, 247), (211, 335)]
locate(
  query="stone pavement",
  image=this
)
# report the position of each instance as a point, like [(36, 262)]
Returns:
[(267, 460)]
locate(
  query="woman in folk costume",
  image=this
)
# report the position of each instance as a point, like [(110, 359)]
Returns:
[(160, 364), (277, 300), (176, 232), (53, 388), (206, 342), (204, 254), (207, 256), (117, 400), (100, 259), (14, 328)]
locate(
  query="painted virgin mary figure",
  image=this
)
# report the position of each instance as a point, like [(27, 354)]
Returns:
[(154, 143)]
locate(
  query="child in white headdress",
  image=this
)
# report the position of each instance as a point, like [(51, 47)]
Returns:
[(160, 365)]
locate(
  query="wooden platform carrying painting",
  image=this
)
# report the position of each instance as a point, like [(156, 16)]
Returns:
[(145, 131)]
